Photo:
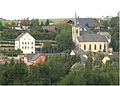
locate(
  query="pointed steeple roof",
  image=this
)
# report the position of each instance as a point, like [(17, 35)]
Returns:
[(75, 18)]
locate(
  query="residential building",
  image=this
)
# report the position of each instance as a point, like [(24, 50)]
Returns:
[(51, 23), (26, 43), (105, 34), (31, 59), (66, 21), (50, 28), (86, 24)]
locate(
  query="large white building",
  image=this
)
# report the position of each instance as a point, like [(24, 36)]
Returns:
[(26, 43)]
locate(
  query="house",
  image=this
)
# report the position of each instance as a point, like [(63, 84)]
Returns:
[(105, 34), (50, 28), (86, 24), (66, 21), (31, 59), (20, 27), (80, 53), (26, 43), (51, 23), (87, 40)]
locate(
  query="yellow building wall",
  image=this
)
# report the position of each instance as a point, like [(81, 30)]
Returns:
[(81, 46)]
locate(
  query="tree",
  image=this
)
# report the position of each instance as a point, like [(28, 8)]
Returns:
[(47, 47), (47, 22), (64, 37), (13, 73), (114, 31), (42, 24), (105, 74)]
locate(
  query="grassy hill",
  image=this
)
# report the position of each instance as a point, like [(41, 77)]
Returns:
[(54, 20)]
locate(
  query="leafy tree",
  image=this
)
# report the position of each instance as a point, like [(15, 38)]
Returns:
[(64, 37), (47, 22), (114, 31), (47, 48), (42, 24), (12, 73)]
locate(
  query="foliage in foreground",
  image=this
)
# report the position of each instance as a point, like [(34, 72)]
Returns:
[(57, 70)]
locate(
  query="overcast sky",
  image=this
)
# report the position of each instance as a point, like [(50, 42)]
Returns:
[(43, 9)]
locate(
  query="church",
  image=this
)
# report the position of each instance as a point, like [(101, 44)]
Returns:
[(85, 39)]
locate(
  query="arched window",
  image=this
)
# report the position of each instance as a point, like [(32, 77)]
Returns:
[(100, 46), (95, 47), (84, 47), (104, 47), (90, 47), (77, 31)]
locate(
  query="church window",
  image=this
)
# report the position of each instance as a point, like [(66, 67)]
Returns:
[(76, 30), (84, 47), (95, 47), (100, 46), (90, 47), (104, 47)]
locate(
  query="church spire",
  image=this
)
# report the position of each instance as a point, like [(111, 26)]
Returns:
[(75, 18)]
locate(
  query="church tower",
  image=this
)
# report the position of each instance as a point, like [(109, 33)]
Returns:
[(75, 29)]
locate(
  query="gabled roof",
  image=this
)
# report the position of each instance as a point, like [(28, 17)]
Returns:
[(81, 53), (32, 57), (50, 28), (20, 36), (84, 21), (103, 33), (91, 38)]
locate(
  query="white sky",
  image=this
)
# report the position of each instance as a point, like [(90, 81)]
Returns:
[(43, 9)]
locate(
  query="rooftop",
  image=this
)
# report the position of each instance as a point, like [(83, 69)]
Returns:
[(91, 38)]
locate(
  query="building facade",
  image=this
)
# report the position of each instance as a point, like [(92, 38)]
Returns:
[(87, 40), (26, 43)]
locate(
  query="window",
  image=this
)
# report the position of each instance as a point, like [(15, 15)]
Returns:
[(25, 47), (104, 47), (32, 47), (22, 47), (28, 42), (90, 47), (100, 46), (31, 42), (22, 42), (76, 30), (25, 42), (28, 47), (84, 47), (95, 46)]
